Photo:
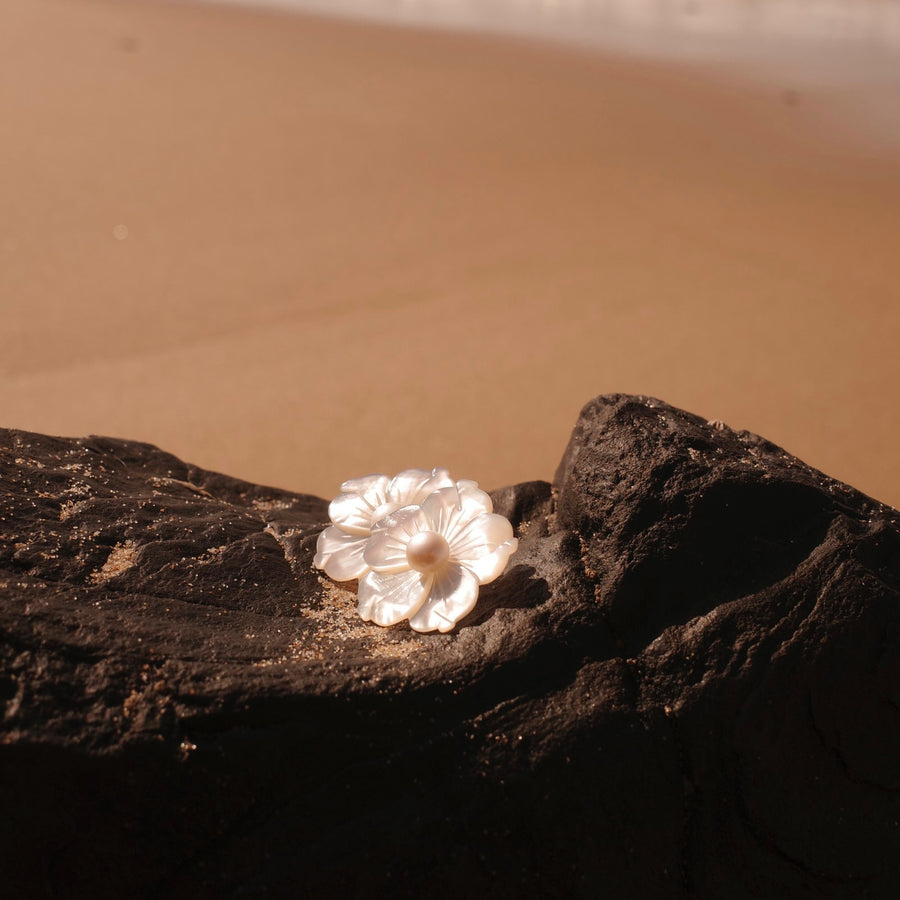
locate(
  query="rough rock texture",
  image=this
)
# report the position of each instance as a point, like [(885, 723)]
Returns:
[(687, 684)]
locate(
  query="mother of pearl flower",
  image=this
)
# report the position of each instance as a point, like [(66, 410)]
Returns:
[(361, 503), (427, 562)]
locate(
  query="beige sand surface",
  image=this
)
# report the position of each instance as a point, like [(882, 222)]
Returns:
[(297, 251)]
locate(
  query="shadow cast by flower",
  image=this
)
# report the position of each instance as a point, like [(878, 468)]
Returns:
[(518, 588)]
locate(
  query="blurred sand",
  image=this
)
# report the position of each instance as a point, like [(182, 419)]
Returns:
[(297, 251)]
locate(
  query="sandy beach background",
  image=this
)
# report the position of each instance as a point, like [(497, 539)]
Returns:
[(297, 250)]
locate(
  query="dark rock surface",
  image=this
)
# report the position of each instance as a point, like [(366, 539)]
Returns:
[(687, 684)]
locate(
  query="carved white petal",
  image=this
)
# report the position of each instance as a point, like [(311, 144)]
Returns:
[(471, 490), (484, 546), (407, 521), (490, 567), (453, 595), (414, 485), (386, 552), (340, 554), (449, 510), (354, 511), (365, 484), (388, 598), (440, 478)]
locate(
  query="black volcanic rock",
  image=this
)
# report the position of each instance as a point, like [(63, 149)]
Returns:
[(687, 684)]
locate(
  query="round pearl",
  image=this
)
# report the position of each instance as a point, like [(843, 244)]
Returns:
[(427, 551)]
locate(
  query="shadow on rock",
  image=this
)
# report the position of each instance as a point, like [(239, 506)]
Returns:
[(519, 588)]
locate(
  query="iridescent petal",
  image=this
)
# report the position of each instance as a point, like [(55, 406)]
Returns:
[(406, 522), (441, 508), (365, 484), (449, 510), (471, 490), (414, 485), (452, 596), (389, 598), (386, 550), (482, 535), (489, 567), (340, 554), (354, 512), (440, 478), (404, 487)]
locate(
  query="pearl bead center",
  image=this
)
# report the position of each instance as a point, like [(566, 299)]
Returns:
[(427, 551)]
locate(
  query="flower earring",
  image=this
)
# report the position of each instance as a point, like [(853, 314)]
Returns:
[(420, 544)]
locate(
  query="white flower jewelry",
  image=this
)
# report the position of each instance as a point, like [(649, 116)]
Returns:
[(426, 562), (361, 503)]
